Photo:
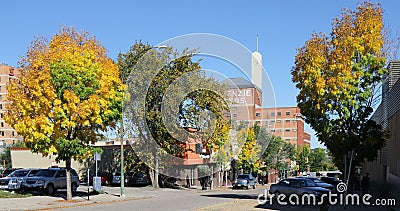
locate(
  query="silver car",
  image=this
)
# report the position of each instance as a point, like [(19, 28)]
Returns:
[(51, 179), (14, 180), (245, 181)]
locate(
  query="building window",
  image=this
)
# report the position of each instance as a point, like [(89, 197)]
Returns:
[(234, 108), (272, 113), (287, 130), (1, 115), (287, 113), (294, 130), (278, 121), (287, 121), (1, 97), (287, 140), (13, 133), (294, 120), (2, 133), (2, 124), (278, 130), (234, 115), (279, 113), (1, 106), (258, 114)]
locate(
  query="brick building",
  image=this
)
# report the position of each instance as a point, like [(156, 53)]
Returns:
[(7, 134), (245, 101)]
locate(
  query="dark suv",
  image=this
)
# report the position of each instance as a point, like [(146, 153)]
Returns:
[(51, 179)]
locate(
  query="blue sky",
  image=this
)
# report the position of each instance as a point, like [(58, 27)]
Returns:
[(282, 26)]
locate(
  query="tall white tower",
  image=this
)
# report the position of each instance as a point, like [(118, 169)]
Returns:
[(256, 68)]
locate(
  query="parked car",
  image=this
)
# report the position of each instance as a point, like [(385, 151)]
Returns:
[(245, 181), (139, 179), (116, 179), (320, 183), (8, 171), (51, 179), (331, 180), (14, 180), (299, 186)]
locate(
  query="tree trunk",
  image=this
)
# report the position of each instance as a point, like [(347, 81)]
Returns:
[(155, 170), (69, 191)]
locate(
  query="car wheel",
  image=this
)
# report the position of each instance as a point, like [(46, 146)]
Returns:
[(74, 187), (50, 190), (247, 187), (254, 186)]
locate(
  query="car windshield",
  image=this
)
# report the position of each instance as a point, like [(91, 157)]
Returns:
[(33, 172), (45, 173), (8, 171), (243, 176), (19, 173)]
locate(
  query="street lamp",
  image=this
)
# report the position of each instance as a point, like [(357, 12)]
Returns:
[(121, 135)]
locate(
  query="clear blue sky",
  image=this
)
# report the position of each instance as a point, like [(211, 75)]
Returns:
[(282, 26)]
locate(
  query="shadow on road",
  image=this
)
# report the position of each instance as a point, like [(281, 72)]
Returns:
[(231, 196), (62, 194)]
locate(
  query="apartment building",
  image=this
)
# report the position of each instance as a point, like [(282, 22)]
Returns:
[(7, 134), (245, 102)]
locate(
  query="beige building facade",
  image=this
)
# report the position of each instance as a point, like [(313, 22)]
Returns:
[(386, 168)]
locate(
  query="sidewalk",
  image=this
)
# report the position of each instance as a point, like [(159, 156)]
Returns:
[(42, 202)]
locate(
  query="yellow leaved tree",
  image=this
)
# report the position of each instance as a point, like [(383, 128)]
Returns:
[(68, 93)]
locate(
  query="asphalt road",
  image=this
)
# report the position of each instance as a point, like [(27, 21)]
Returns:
[(147, 198), (188, 199)]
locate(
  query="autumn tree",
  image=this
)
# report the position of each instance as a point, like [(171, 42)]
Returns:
[(339, 77), (68, 93), (250, 155), (168, 92)]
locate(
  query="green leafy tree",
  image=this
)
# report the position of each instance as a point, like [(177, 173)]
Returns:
[(176, 95), (303, 158), (67, 95), (338, 77)]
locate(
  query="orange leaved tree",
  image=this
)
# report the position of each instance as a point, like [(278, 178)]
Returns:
[(67, 95)]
